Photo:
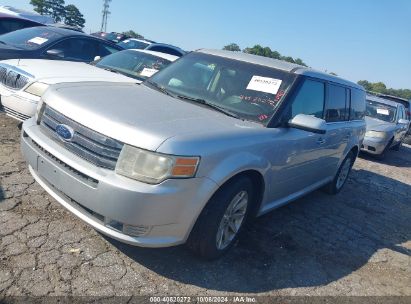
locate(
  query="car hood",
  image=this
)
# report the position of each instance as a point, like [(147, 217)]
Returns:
[(136, 114), (374, 124), (56, 71)]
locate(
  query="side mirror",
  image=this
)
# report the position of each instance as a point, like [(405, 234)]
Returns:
[(97, 58), (55, 53), (403, 122), (308, 123)]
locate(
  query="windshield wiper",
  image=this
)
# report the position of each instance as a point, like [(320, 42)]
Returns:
[(210, 105), (159, 88), (2, 42)]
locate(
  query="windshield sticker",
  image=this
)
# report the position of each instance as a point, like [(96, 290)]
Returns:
[(264, 84), (383, 111), (279, 95), (38, 40), (148, 72), (256, 99), (126, 41)]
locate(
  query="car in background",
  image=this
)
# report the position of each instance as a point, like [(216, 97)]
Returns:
[(33, 76), (166, 48), (387, 125), (68, 27), (113, 36), (44, 42), (205, 144), (10, 23), (30, 15), (134, 43), (407, 104)]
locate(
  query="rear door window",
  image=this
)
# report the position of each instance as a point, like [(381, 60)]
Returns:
[(336, 109), (357, 110), (78, 49)]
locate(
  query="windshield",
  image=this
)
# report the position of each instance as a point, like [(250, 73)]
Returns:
[(134, 64), (380, 111), (252, 92), (30, 38), (133, 44)]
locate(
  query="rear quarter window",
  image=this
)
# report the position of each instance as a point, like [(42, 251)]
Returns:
[(357, 111)]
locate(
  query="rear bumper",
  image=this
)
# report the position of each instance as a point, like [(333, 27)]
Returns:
[(162, 215)]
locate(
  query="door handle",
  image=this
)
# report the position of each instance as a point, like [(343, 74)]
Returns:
[(321, 141)]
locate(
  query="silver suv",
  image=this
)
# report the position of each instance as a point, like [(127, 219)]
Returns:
[(211, 141)]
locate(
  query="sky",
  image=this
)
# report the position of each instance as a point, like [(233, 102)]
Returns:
[(357, 39)]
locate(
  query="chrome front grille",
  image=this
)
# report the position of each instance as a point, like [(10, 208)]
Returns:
[(94, 147), (12, 79)]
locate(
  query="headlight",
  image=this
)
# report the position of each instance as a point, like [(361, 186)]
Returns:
[(376, 134), (37, 89), (153, 168)]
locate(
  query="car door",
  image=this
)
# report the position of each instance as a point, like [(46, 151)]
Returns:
[(339, 129), (296, 155)]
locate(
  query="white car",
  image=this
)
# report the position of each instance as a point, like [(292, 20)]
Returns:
[(23, 82)]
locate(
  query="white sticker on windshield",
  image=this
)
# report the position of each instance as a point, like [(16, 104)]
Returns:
[(148, 72), (38, 40), (383, 111), (264, 84), (126, 41)]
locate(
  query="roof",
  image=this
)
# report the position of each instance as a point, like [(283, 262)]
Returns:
[(5, 15), (280, 65), (64, 31), (30, 15), (157, 54), (140, 40), (382, 100)]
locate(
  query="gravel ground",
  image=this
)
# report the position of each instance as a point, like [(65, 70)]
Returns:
[(355, 243)]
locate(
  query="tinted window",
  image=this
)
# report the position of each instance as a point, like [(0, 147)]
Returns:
[(357, 104), (401, 113), (336, 104), (30, 38), (9, 25), (105, 50), (166, 50), (309, 99), (77, 49)]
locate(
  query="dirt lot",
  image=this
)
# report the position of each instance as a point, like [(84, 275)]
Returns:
[(356, 243)]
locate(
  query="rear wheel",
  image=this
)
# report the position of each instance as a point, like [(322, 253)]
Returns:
[(342, 175), (222, 219)]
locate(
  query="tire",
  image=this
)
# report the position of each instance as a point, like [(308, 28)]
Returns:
[(384, 152), (336, 184), (407, 139), (397, 147), (203, 240)]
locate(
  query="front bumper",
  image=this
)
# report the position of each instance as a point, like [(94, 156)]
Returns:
[(373, 145), (18, 104), (164, 213)]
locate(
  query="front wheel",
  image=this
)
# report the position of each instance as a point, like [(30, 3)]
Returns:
[(342, 175), (222, 219)]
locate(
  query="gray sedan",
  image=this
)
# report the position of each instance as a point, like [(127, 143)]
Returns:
[(386, 126)]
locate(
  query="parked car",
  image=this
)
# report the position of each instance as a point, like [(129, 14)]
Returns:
[(133, 43), (407, 104), (30, 15), (44, 42), (205, 144), (9, 23), (387, 126), (30, 78), (166, 48), (113, 37)]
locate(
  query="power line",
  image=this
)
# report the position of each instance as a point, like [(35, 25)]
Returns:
[(106, 12)]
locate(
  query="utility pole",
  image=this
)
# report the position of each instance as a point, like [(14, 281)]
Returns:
[(106, 12)]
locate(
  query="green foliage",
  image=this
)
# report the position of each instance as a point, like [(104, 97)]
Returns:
[(56, 9), (73, 16), (133, 34), (380, 87), (267, 52), (232, 47), (40, 6)]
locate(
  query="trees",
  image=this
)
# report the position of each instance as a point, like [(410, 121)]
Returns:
[(380, 87), (73, 16), (232, 47), (267, 52), (133, 34), (70, 14)]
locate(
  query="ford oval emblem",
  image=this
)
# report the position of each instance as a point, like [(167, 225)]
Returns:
[(65, 132)]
